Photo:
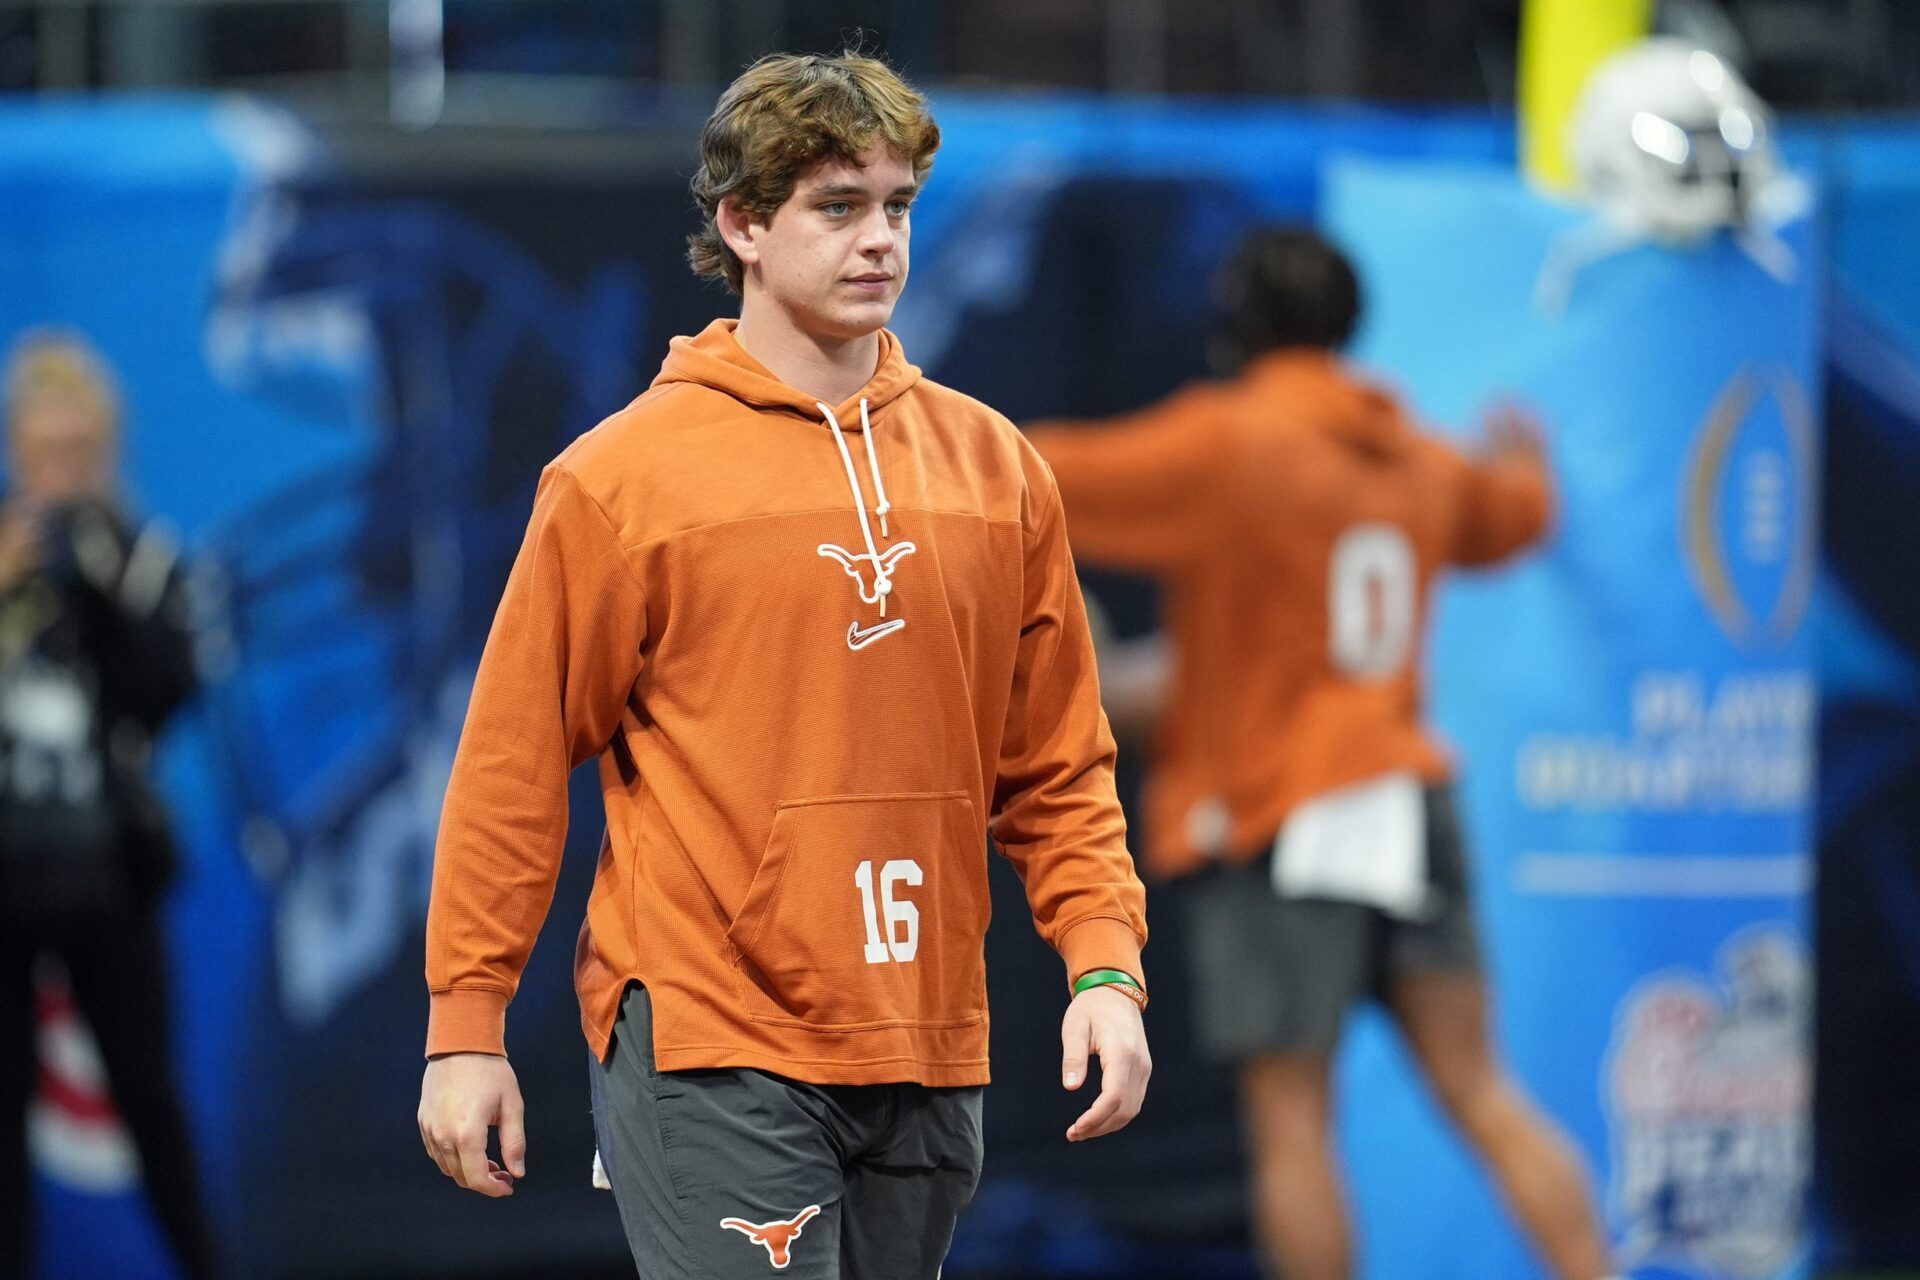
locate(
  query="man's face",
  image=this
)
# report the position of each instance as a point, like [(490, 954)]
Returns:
[(59, 449), (834, 256)]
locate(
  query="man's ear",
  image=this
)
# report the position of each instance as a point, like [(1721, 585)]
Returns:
[(737, 228)]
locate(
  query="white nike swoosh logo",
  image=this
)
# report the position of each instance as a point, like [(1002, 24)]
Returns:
[(858, 639)]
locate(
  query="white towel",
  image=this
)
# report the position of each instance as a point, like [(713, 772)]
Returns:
[(1366, 843)]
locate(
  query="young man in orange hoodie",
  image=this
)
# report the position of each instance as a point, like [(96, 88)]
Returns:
[(815, 617), (1297, 522)]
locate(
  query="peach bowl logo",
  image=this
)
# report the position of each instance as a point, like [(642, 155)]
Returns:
[(1747, 521), (74, 1132), (1707, 1091)]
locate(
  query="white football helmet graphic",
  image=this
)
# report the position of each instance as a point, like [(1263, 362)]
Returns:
[(1672, 147), (1669, 141)]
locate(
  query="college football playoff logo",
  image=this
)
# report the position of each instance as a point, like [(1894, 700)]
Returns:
[(1748, 522)]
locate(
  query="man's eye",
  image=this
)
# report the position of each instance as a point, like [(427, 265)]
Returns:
[(836, 208), (898, 208)]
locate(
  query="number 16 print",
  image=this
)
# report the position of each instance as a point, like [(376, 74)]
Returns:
[(902, 940)]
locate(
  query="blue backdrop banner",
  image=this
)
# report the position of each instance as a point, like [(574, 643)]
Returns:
[(1633, 707)]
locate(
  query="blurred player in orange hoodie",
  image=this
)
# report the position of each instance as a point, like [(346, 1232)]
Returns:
[(1296, 522), (815, 618)]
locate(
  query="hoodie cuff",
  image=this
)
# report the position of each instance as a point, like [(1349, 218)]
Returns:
[(1101, 943), (467, 1020)]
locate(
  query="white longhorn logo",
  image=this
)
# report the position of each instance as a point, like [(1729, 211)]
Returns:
[(882, 565)]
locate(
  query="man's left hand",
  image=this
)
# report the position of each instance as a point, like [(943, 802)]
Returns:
[(1105, 1024)]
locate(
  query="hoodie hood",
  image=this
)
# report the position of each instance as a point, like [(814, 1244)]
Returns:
[(1360, 416), (714, 358)]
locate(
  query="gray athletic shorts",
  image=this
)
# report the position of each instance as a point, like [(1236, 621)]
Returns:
[(1277, 975), (734, 1173)]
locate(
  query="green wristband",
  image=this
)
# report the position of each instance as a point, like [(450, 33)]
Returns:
[(1106, 978)]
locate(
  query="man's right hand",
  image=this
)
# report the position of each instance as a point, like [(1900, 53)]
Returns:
[(1511, 428), (461, 1096)]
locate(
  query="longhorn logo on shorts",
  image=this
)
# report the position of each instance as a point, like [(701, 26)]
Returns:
[(776, 1236)]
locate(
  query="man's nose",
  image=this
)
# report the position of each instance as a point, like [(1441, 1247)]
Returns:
[(876, 232)]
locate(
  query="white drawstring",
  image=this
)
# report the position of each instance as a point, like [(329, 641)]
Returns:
[(873, 465), (882, 581)]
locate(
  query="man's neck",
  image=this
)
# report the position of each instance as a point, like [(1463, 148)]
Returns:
[(828, 369)]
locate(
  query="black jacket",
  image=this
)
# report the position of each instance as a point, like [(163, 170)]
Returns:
[(96, 651)]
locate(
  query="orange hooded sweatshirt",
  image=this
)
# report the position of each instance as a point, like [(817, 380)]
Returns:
[(1296, 521), (819, 655)]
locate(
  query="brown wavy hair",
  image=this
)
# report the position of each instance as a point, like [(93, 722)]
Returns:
[(786, 113)]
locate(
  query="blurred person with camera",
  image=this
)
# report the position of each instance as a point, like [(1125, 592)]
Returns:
[(1297, 521), (95, 654)]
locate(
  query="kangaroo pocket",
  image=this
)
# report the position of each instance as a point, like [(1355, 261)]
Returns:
[(867, 911)]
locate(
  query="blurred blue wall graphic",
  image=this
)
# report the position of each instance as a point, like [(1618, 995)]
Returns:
[(345, 372)]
